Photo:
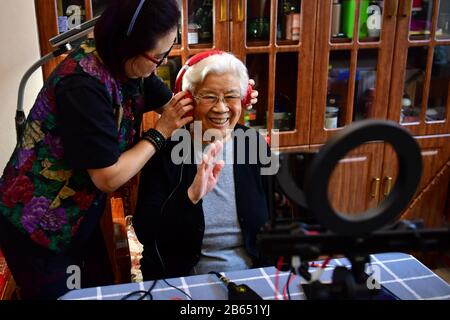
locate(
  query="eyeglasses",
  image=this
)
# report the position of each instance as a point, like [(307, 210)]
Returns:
[(135, 15), (211, 99), (156, 61)]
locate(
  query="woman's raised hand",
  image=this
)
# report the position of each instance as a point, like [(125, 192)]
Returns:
[(207, 173)]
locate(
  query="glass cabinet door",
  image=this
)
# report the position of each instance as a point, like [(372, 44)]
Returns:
[(204, 25), (353, 59), (200, 23), (421, 78), (275, 39)]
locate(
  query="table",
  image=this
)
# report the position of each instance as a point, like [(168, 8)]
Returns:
[(400, 273)]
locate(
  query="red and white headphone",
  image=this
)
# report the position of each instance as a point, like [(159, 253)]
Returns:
[(199, 57)]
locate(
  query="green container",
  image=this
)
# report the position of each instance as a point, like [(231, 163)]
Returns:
[(348, 18)]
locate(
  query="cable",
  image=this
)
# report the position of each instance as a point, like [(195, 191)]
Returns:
[(286, 292), (148, 292), (237, 292), (143, 292), (277, 275), (163, 267), (318, 273), (183, 292), (133, 293), (218, 275)]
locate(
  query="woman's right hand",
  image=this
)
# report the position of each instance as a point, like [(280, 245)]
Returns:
[(172, 116), (207, 173)]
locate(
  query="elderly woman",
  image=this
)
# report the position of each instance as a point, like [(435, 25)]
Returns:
[(195, 218)]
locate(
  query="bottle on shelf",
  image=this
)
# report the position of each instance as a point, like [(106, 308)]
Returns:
[(295, 26), (292, 20), (193, 30), (331, 112), (407, 113), (348, 18), (374, 20), (336, 18)]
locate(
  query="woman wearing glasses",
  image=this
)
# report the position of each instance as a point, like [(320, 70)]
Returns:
[(204, 215), (81, 142)]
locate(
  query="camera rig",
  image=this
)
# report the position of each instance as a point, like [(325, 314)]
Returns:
[(353, 236)]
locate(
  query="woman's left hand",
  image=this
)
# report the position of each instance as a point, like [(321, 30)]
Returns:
[(174, 114), (254, 95)]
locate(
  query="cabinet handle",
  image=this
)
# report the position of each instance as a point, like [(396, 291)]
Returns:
[(406, 9), (375, 188), (387, 186), (391, 7), (240, 11), (223, 11)]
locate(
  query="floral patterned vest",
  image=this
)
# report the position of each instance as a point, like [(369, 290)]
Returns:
[(40, 194)]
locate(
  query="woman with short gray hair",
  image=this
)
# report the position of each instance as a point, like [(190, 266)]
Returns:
[(205, 217)]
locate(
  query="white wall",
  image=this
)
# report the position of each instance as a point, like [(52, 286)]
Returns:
[(19, 49)]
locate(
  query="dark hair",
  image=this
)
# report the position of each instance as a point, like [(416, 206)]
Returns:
[(155, 19)]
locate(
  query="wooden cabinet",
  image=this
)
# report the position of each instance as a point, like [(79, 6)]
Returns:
[(368, 173), (431, 196), (355, 182), (401, 74), (352, 74), (281, 62), (422, 68), (320, 65)]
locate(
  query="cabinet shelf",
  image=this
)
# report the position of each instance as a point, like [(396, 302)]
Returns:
[(257, 43), (284, 42), (201, 46)]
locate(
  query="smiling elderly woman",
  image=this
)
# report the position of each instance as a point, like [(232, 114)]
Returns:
[(204, 217)]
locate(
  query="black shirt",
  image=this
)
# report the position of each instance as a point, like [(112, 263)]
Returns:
[(86, 119), (87, 127)]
